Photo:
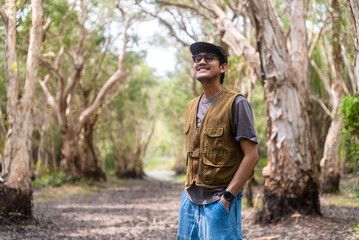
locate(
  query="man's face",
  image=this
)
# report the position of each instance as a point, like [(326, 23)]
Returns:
[(207, 68)]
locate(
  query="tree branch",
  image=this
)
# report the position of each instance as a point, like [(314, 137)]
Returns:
[(46, 26), (102, 94), (316, 38), (33, 56), (182, 25), (164, 22), (4, 16), (119, 74), (321, 76), (49, 98), (74, 77), (321, 103), (237, 42), (177, 4), (349, 68)]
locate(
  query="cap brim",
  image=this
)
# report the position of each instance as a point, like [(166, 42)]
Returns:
[(200, 47)]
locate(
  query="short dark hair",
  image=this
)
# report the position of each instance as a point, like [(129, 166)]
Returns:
[(221, 62)]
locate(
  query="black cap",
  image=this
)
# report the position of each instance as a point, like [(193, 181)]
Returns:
[(199, 47)]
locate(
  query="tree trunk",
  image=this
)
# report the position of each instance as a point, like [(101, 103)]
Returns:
[(249, 193), (42, 154), (75, 158), (15, 191), (290, 176), (2, 136), (129, 162), (329, 164), (70, 162), (126, 167), (354, 9), (89, 162), (15, 180), (41, 159)]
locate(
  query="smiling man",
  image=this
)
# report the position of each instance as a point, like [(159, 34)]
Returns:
[(221, 146)]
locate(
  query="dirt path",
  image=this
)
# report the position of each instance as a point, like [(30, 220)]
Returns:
[(149, 210)]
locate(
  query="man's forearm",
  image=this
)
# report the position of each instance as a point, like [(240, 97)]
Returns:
[(242, 174)]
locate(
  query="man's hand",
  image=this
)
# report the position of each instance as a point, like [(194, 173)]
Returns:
[(225, 202)]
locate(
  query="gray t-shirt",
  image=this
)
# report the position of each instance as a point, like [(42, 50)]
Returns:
[(242, 128)]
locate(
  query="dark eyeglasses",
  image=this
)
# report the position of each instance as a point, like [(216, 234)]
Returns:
[(207, 57)]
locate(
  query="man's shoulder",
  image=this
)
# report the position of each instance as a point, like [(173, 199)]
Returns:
[(240, 99), (230, 91), (194, 100), (234, 96)]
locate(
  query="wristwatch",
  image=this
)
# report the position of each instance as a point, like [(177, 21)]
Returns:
[(228, 196)]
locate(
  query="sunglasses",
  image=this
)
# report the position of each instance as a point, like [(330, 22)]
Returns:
[(207, 57)]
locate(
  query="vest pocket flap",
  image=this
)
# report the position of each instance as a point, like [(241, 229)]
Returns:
[(186, 128), (195, 154), (216, 160), (214, 132)]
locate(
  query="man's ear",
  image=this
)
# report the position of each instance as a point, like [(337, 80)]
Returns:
[(223, 67)]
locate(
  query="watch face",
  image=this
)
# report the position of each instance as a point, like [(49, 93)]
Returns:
[(228, 196)]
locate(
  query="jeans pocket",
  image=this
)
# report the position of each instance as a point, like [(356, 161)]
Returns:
[(222, 207)]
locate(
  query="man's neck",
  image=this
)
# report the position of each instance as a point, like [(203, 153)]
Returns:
[(211, 89)]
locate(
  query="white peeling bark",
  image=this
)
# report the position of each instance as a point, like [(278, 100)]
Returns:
[(329, 164), (290, 175), (354, 8), (16, 171)]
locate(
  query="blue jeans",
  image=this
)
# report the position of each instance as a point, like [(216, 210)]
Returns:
[(209, 222)]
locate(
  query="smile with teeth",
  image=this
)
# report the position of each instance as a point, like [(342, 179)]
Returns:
[(203, 67)]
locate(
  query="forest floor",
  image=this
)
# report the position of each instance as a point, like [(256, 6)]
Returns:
[(148, 209)]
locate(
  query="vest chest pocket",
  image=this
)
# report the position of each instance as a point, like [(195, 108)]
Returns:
[(213, 140)]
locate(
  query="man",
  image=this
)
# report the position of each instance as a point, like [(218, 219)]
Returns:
[(222, 152)]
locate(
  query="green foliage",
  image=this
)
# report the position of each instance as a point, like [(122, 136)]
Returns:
[(15, 214), (356, 192), (259, 108), (317, 85), (173, 94), (131, 116), (109, 162), (54, 179), (258, 169), (158, 162), (350, 111), (355, 226)]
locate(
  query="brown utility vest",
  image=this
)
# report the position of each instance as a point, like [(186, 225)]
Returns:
[(213, 154)]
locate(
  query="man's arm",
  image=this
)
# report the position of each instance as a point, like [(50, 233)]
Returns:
[(250, 151)]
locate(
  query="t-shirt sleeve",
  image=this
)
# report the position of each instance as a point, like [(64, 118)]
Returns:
[(242, 120)]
